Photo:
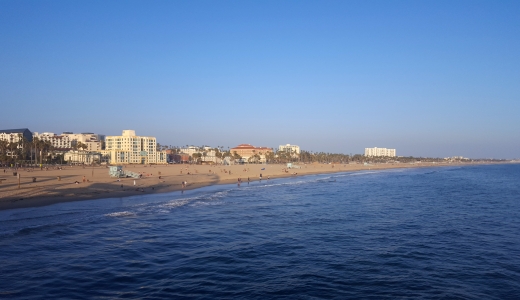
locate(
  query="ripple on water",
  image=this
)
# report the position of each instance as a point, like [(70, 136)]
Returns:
[(414, 233)]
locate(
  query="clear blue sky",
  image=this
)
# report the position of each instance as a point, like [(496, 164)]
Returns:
[(429, 78)]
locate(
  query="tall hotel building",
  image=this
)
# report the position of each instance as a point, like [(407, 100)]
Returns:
[(379, 152), (131, 149)]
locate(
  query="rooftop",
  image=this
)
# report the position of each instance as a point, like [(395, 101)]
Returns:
[(21, 130), (249, 146)]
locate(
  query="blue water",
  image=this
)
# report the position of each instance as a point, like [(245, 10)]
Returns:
[(431, 233)]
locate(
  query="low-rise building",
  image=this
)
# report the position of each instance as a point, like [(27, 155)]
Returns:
[(181, 158), (82, 157), (190, 150), (247, 150), (208, 154), (380, 152), (129, 148)]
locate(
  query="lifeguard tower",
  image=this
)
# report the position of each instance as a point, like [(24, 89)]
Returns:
[(116, 171)]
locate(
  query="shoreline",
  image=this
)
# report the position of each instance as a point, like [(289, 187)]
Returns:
[(46, 191)]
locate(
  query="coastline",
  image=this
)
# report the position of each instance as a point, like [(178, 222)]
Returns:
[(48, 190)]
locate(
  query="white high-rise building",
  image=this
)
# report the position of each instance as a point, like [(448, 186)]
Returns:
[(379, 152), (292, 148), (131, 149)]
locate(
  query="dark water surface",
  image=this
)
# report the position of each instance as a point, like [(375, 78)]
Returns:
[(450, 233)]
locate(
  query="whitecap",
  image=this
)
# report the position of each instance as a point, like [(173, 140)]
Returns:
[(120, 214)]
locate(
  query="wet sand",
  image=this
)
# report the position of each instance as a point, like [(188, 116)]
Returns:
[(47, 189)]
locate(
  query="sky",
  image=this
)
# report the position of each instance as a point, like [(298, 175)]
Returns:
[(428, 78)]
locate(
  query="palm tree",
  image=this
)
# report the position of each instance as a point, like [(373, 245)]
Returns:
[(46, 147), (3, 151), (196, 156), (236, 155), (12, 148), (218, 154)]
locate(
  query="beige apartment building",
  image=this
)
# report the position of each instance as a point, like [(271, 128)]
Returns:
[(129, 148), (379, 152)]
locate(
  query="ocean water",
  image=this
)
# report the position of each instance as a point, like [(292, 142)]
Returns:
[(430, 233)]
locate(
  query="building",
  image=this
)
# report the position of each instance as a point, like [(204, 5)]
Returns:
[(82, 157), (15, 135), (246, 151), (94, 142), (59, 142), (290, 148), (129, 148), (211, 155), (181, 158), (380, 152), (190, 150)]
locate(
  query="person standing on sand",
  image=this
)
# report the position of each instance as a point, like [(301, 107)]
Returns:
[(134, 182)]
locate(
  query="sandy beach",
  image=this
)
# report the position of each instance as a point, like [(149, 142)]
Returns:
[(95, 182)]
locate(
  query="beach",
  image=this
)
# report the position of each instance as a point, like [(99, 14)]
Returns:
[(42, 187)]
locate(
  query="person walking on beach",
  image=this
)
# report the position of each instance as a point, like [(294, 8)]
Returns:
[(134, 182)]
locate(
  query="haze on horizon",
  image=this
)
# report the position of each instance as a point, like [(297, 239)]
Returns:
[(429, 78)]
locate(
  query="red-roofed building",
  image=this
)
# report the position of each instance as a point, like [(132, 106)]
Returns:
[(248, 150)]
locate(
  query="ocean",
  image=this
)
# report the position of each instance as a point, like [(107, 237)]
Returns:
[(425, 233)]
